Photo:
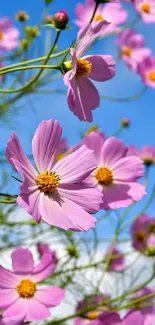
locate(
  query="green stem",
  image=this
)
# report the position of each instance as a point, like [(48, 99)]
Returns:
[(125, 99), (8, 201), (31, 67)]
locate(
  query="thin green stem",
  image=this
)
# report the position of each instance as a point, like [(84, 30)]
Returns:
[(31, 67)]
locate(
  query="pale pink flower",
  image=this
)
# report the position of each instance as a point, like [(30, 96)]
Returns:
[(111, 12), (141, 229), (115, 260), (83, 96), (146, 70), (9, 35), (116, 175), (44, 248), (132, 49), (113, 318), (146, 8), (54, 192), (146, 153), (20, 295)]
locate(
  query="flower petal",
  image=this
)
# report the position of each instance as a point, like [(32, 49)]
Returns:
[(50, 296), (76, 166), (45, 144), (10, 321), (17, 310), (7, 297), (44, 268), (112, 150), (8, 279), (30, 202), (94, 141), (102, 68), (128, 169), (134, 317), (36, 310), (22, 261)]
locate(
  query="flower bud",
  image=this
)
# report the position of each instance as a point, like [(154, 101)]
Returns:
[(72, 251), (22, 16), (47, 2), (25, 43), (60, 19), (32, 31), (125, 122), (48, 19)]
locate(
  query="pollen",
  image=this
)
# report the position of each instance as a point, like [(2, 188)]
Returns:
[(145, 7), (26, 288), (83, 67), (151, 75), (48, 181), (104, 176), (1, 35), (141, 235), (127, 51), (98, 17)]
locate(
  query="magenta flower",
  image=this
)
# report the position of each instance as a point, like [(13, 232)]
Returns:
[(44, 248), (115, 260), (132, 49), (146, 8), (112, 318), (9, 35), (10, 321), (148, 312), (141, 229), (82, 96), (20, 295), (116, 174), (146, 70), (55, 193), (111, 12)]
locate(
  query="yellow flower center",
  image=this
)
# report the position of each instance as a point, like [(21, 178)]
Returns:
[(26, 288), (92, 314), (146, 7), (83, 67), (1, 35), (151, 75), (48, 181), (127, 51), (148, 161), (104, 176), (59, 156), (141, 235), (98, 17)]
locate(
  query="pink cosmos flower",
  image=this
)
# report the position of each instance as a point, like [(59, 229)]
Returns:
[(132, 49), (44, 248), (82, 96), (146, 8), (112, 318), (20, 295), (146, 70), (116, 174), (111, 12), (115, 260), (148, 312), (142, 227), (55, 193), (9, 35), (10, 321), (147, 154)]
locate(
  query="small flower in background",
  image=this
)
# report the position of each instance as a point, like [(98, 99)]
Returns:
[(20, 295), (111, 12), (82, 95), (125, 122), (116, 174), (63, 149), (61, 19), (55, 192), (9, 35), (146, 70), (112, 318), (148, 312), (22, 16), (147, 154), (10, 321), (141, 230), (132, 47), (44, 248), (115, 260), (146, 8)]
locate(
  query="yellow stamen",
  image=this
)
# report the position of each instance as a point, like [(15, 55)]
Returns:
[(127, 51), (98, 17), (151, 75), (48, 181), (26, 288), (141, 235), (83, 67), (104, 176), (92, 314), (1, 35), (146, 7)]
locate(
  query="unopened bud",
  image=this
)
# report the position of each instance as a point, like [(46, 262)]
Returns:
[(60, 19), (32, 31), (22, 16), (72, 251), (125, 122), (48, 19), (25, 43), (47, 2)]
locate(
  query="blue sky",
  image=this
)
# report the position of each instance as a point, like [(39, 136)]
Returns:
[(28, 113)]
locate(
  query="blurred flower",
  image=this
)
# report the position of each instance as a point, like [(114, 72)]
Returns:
[(125, 122), (113, 318), (9, 35), (48, 19), (111, 12), (22, 16), (82, 95), (55, 193), (148, 312), (32, 31), (132, 49), (61, 19), (44, 248), (115, 260), (116, 174), (146, 8), (146, 70), (20, 295), (10, 321), (147, 154), (141, 229)]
